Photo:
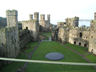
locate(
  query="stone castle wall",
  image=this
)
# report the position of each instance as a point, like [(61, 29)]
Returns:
[(24, 37), (44, 24), (32, 25), (83, 36)]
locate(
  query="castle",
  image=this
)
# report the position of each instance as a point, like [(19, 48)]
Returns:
[(70, 32), (14, 34)]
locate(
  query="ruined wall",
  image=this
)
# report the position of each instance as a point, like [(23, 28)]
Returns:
[(24, 37), (2, 42), (92, 42), (3, 22), (32, 25), (92, 37), (72, 22), (44, 24), (63, 34), (73, 33)]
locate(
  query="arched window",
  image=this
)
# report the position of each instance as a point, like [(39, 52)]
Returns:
[(74, 42), (80, 35), (26, 28), (80, 44), (85, 45)]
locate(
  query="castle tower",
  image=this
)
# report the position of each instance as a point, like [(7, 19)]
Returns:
[(36, 16), (95, 16), (31, 17), (12, 36), (48, 18), (12, 18), (76, 21), (42, 17)]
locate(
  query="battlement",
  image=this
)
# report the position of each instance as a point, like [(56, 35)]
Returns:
[(95, 16), (31, 16), (48, 17), (11, 13), (36, 16), (42, 17), (12, 18)]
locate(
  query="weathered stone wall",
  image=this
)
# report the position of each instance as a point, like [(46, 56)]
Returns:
[(32, 25), (61, 24), (72, 22), (44, 24), (73, 34), (3, 22), (12, 35), (92, 37), (63, 34), (2, 41), (24, 37), (81, 42)]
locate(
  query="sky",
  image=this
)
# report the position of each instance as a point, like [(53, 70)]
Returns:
[(58, 9)]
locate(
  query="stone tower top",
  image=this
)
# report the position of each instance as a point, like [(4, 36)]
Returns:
[(36, 16), (31, 16), (12, 18), (11, 13), (42, 17), (48, 17), (95, 16)]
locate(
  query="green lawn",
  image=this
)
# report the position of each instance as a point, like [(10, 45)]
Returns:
[(83, 51), (46, 47), (15, 65), (46, 35), (30, 46), (69, 56)]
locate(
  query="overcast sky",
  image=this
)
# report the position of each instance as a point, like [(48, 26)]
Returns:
[(58, 9)]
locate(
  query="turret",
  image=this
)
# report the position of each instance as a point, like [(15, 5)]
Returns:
[(48, 17), (42, 17), (95, 16), (12, 20), (31, 17), (36, 16)]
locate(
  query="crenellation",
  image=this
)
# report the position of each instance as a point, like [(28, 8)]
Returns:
[(31, 16)]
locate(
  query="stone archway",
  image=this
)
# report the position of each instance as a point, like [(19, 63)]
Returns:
[(85, 45), (80, 35), (74, 42), (79, 43)]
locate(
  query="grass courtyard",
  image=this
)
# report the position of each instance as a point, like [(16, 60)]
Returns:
[(53, 46), (69, 56)]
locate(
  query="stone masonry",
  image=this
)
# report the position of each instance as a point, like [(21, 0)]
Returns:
[(83, 36)]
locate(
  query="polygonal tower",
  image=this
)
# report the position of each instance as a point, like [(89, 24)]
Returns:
[(36, 16), (31, 16), (95, 16), (48, 18), (12, 18), (12, 36)]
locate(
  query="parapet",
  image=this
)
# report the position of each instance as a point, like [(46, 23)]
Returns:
[(42, 17), (95, 16), (11, 13), (48, 17), (31, 16), (36, 16)]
